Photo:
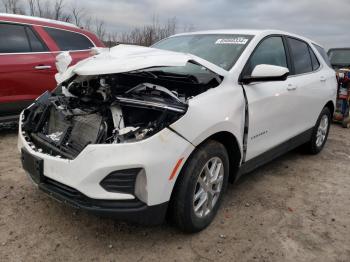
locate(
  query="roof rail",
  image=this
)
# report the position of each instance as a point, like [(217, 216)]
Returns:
[(39, 19)]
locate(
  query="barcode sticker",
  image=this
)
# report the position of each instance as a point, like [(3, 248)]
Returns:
[(232, 41)]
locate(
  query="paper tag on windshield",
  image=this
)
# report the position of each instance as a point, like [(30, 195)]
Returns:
[(232, 41)]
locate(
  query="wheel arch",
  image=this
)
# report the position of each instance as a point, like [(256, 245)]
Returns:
[(330, 106), (230, 142)]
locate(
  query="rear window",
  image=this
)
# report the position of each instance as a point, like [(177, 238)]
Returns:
[(300, 56), (67, 40), (13, 39)]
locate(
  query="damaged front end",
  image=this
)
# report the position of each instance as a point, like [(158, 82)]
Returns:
[(112, 108)]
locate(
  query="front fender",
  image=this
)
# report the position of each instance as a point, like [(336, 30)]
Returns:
[(217, 110)]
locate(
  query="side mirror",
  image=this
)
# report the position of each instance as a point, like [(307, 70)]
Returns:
[(265, 73)]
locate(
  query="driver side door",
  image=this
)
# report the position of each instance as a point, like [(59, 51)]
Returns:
[(271, 107)]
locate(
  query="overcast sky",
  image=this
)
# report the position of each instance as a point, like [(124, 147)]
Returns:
[(324, 21)]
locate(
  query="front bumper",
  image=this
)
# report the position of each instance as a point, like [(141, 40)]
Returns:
[(130, 210), (156, 155)]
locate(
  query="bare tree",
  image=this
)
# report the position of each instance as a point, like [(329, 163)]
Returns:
[(149, 34), (188, 28), (111, 40), (39, 8), (99, 28), (78, 15), (43, 9), (58, 9), (32, 7), (87, 23), (13, 6), (66, 17)]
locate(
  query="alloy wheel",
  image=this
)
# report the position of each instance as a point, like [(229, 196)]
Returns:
[(208, 187), (322, 131)]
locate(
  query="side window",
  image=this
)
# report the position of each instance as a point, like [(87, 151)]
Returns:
[(300, 56), (270, 51), (314, 60), (35, 43), (13, 39), (323, 54), (67, 40)]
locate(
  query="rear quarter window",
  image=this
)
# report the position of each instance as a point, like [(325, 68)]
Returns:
[(323, 54), (314, 60), (67, 40)]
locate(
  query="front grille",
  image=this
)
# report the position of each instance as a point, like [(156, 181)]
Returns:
[(72, 134), (67, 136), (64, 190), (78, 199)]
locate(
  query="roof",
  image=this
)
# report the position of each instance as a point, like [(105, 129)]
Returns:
[(36, 20), (254, 32)]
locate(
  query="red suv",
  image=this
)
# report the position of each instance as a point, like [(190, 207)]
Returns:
[(28, 50)]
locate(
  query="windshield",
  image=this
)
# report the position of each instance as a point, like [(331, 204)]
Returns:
[(339, 57), (221, 50)]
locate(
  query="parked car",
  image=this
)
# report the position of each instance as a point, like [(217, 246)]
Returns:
[(28, 47), (339, 57), (138, 132)]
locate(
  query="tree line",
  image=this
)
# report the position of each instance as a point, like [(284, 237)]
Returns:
[(60, 10)]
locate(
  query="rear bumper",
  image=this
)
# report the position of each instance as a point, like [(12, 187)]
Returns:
[(127, 210)]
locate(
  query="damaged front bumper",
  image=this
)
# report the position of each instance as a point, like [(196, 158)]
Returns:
[(78, 181)]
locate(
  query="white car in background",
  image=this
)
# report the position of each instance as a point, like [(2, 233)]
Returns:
[(138, 133)]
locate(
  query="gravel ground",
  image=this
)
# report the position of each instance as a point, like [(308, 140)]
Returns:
[(294, 209)]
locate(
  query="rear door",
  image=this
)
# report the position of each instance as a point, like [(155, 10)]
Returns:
[(270, 106), (78, 45), (27, 67), (310, 83)]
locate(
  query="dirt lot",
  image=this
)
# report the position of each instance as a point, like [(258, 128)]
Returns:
[(294, 209)]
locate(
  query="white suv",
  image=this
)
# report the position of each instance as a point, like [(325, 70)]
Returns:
[(138, 133)]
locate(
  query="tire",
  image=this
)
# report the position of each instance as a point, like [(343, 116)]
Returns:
[(320, 131), (189, 185)]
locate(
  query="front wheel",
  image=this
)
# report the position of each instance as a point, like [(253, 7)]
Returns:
[(200, 188), (320, 132)]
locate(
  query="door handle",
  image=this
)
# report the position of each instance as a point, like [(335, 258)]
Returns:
[(323, 79), (42, 67), (291, 87)]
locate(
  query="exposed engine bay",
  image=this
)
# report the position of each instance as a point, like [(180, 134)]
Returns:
[(110, 109)]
